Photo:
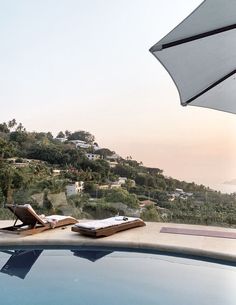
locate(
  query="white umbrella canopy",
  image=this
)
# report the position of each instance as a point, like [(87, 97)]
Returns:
[(200, 56)]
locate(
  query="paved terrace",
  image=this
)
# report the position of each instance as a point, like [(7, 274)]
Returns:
[(148, 237)]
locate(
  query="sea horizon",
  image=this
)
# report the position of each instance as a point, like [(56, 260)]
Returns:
[(224, 188)]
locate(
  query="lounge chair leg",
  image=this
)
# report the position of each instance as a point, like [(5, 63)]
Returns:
[(15, 222)]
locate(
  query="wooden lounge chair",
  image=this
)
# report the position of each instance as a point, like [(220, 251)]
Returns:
[(33, 223), (108, 226)]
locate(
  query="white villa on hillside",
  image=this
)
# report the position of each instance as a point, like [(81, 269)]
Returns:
[(112, 160), (179, 193), (56, 172), (112, 164), (80, 144), (83, 144)]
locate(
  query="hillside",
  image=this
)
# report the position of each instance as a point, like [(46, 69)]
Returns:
[(70, 173)]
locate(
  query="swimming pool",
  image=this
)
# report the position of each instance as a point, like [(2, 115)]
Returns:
[(103, 276)]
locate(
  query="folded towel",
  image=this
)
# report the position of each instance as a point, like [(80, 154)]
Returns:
[(57, 217), (104, 223)]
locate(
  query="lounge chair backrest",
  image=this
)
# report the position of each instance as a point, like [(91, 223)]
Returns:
[(26, 214)]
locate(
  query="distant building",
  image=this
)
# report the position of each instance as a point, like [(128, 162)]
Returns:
[(112, 164), (113, 157), (180, 191), (95, 146), (113, 160), (171, 197), (122, 180), (115, 184), (80, 144), (133, 183), (104, 187), (93, 157), (189, 194), (56, 172), (75, 188), (19, 162)]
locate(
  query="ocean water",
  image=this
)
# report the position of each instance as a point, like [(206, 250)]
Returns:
[(224, 188), (95, 277)]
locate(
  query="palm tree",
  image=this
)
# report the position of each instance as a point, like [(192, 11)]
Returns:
[(67, 133), (60, 135), (20, 127), (12, 123)]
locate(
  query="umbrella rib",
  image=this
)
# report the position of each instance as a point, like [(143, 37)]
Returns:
[(192, 38), (209, 88)]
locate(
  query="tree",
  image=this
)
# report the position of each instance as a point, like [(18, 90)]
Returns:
[(49, 153), (82, 136), (2, 198), (46, 202), (100, 166), (90, 187), (20, 127), (154, 171), (6, 149), (18, 136), (60, 135), (150, 214), (125, 171), (129, 184), (104, 152), (4, 128), (141, 179), (8, 180), (49, 136), (67, 133), (12, 123), (121, 195)]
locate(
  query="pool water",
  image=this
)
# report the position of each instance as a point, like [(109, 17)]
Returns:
[(90, 277)]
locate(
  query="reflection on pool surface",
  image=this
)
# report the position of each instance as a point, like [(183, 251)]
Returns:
[(112, 277)]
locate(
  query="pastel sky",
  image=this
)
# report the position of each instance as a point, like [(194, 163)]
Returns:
[(85, 65)]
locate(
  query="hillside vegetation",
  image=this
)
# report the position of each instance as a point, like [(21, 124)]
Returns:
[(35, 168)]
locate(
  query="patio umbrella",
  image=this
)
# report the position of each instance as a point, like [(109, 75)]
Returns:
[(200, 56)]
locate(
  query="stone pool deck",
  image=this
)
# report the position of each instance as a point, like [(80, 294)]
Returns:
[(148, 238)]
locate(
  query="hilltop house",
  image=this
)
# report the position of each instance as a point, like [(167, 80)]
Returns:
[(56, 172), (179, 193), (113, 160), (80, 144), (62, 140), (122, 180), (93, 157), (116, 184)]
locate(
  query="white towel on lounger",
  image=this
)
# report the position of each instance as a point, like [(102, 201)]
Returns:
[(105, 223)]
